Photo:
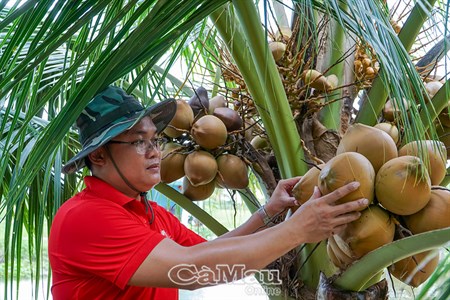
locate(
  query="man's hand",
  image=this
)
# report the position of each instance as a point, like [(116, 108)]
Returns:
[(282, 197)]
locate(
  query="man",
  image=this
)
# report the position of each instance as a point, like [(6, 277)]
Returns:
[(109, 242)]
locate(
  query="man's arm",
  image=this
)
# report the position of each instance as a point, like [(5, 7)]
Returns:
[(172, 265)]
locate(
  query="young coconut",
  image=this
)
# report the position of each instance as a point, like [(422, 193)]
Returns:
[(345, 168), (200, 192), (390, 129), (200, 167), (209, 132), (278, 49), (199, 102), (172, 162), (434, 155), (315, 79), (229, 117), (378, 151), (391, 110), (403, 185), (373, 229), (435, 215), (215, 102), (304, 188), (415, 270), (184, 116), (233, 172)]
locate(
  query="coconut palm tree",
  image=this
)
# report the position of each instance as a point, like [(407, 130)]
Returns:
[(55, 55)]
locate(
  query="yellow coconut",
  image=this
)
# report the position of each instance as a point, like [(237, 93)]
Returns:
[(233, 172), (392, 110), (415, 270), (172, 162), (200, 167), (390, 129), (373, 229), (200, 192), (435, 215), (229, 117), (304, 188), (278, 49), (215, 102), (315, 79), (345, 168), (209, 132), (403, 185), (433, 154), (184, 116), (375, 144)]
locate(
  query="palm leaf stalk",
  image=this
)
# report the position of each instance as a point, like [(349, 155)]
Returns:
[(286, 136), (378, 94)]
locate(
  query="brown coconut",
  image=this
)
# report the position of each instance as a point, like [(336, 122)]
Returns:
[(304, 188), (315, 79), (209, 132), (403, 185), (435, 215), (260, 143), (345, 168), (233, 172), (390, 129), (375, 144), (184, 116), (172, 162), (229, 117), (278, 49), (373, 229), (200, 192), (199, 102), (200, 167), (415, 270), (215, 102), (433, 153), (392, 111)]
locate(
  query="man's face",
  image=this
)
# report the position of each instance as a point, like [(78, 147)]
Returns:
[(139, 165)]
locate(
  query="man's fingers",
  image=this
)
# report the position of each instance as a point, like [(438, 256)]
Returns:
[(341, 192), (342, 220), (351, 206)]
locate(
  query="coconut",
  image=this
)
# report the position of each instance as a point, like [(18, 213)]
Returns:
[(233, 172), (199, 102), (444, 136), (172, 162), (315, 79), (403, 185), (200, 192), (414, 270), (215, 102), (433, 87), (200, 167), (260, 143), (184, 116), (435, 215), (278, 49), (373, 229), (284, 34), (375, 144), (304, 188), (391, 110), (390, 129), (333, 81), (209, 132), (345, 168), (434, 155), (338, 257), (229, 117)]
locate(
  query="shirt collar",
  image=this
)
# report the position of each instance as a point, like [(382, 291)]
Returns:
[(105, 191)]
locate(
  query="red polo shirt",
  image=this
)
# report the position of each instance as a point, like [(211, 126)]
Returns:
[(100, 237)]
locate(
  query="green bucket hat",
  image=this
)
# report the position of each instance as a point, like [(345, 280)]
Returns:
[(110, 113)]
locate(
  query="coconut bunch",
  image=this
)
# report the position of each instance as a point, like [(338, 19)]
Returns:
[(365, 65), (400, 187), (196, 148)]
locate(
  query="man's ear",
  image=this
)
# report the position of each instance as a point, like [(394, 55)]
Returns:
[(98, 156)]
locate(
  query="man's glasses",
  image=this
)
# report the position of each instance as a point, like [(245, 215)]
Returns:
[(142, 146)]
